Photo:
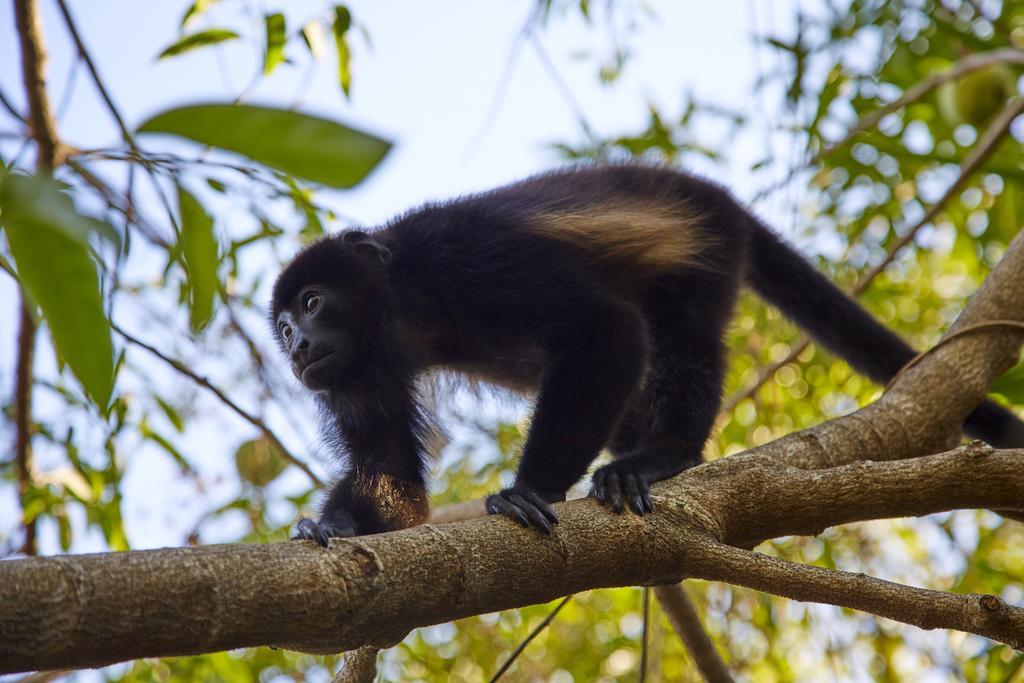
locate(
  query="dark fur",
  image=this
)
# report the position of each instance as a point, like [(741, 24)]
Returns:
[(578, 284)]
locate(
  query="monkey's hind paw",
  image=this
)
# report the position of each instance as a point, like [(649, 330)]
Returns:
[(321, 531), (615, 483), (524, 506)]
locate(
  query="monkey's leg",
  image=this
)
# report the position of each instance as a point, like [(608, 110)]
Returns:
[(384, 488), (667, 427), (597, 361)]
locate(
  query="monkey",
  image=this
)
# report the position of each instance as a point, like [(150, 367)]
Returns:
[(603, 290)]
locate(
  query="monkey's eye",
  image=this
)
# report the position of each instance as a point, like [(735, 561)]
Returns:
[(286, 330), (311, 301)]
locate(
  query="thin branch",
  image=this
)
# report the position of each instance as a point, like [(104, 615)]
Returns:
[(226, 400), (126, 134), (23, 418), (985, 615), (978, 155), (506, 76), (975, 159), (359, 666), (44, 132), (6, 103), (562, 86), (533, 634), (642, 673), (124, 206), (684, 618), (963, 67)]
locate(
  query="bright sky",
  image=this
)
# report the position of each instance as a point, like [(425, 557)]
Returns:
[(429, 83)]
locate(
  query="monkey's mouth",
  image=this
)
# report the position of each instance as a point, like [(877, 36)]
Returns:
[(308, 373)]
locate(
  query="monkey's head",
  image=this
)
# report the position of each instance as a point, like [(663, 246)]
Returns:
[(327, 306)]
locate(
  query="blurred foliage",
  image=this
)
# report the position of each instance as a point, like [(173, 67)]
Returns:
[(195, 284)]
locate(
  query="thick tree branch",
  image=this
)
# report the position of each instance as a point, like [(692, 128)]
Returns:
[(73, 611)]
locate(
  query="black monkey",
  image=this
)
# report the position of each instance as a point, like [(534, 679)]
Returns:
[(604, 288)]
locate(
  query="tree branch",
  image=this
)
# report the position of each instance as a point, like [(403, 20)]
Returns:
[(48, 156), (985, 615), (23, 418), (73, 611), (681, 612)]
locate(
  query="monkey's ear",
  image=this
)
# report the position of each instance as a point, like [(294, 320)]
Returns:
[(366, 245)]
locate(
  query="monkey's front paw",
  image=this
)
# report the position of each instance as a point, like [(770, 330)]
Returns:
[(524, 506), (329, 526), (619, 481)]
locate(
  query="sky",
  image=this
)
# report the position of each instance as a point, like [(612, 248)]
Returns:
[(442, 79)]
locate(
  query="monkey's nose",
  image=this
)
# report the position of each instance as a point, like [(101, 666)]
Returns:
[(300, 352)]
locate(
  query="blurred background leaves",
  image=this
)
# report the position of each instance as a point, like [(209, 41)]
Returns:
[(161, 251)]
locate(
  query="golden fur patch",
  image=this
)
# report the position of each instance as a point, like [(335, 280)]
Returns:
[(400, 504), (662, 236)]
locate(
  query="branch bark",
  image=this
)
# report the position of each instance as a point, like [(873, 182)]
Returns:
[(74, 611)]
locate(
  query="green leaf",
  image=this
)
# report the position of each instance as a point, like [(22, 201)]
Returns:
[(171, 414), (259, 462), (303, 146), (49, 242), (202, 39), (274, 53), (199, 251), (342, 23)]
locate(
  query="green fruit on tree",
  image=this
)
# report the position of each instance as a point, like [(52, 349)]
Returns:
[(978, 96)]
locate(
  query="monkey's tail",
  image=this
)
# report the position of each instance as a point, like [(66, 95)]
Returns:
[(781, 276)]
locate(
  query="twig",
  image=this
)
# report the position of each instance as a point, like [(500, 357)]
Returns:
[(506, 76), (237, 409), (110, 196), (642, 674), (680, 611), (6, 103), (978, 155), (533, 634), (84, 54), (126, 134), (23, 417), (563, 87), (963, 67)]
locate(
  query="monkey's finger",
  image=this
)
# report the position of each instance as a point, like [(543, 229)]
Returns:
[(337, 531), (498, 505), (597, 486), (542, 505), (309, 530), (633, 493), (615, 491), (645, 492), (536, 516)]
